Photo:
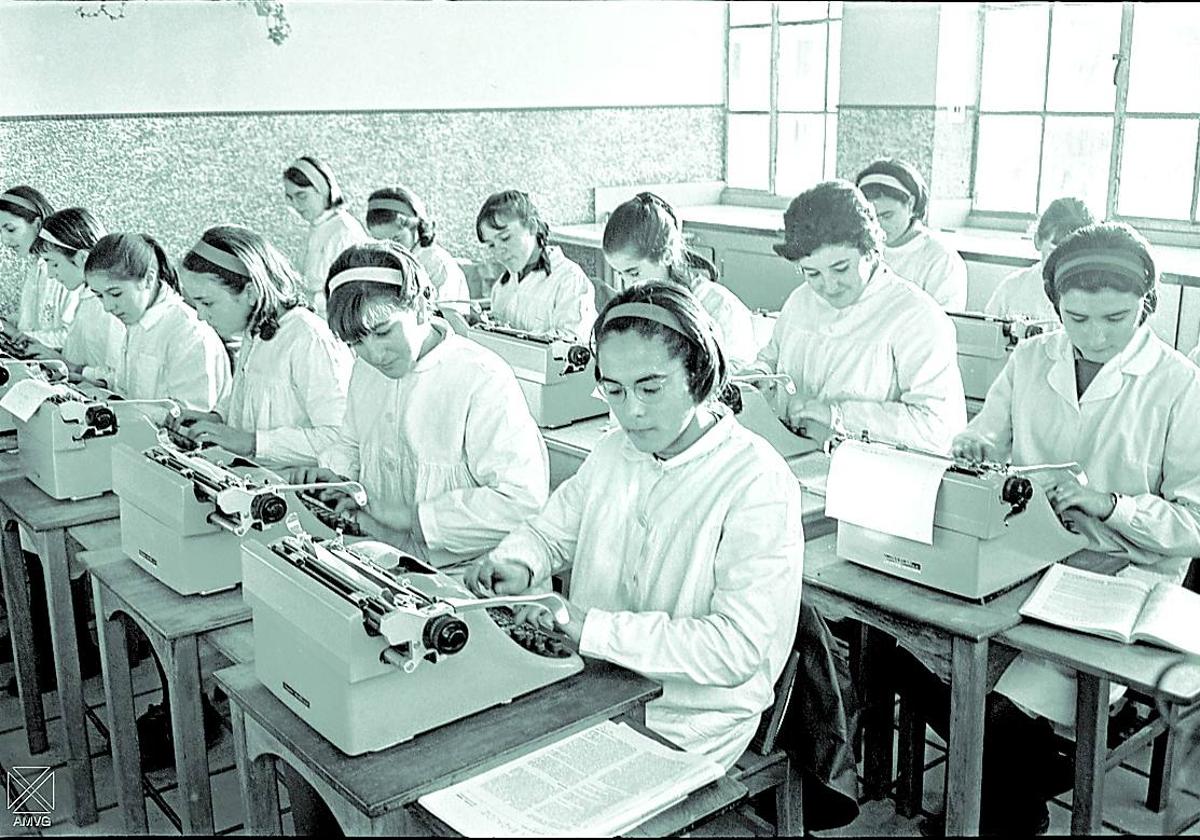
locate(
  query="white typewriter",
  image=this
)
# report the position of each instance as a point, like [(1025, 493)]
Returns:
[(371, 647), (15, 365), (184, 511), (992, 526), (556, 373), (760, 411), (984, 344)]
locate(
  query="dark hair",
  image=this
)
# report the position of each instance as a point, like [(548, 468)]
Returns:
[(297, 177), (906, 174), (419, 219), (512, 204), (1101, 239), (352, 306), (74, 227), (831, 213), (33, 197), (272, 276), (1062, 217), (647, 226), (131, 256), (698, 348)]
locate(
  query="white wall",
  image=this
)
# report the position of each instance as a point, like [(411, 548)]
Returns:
[(359, 55)]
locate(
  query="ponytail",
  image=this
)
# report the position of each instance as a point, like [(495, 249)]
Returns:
[(167, 275)]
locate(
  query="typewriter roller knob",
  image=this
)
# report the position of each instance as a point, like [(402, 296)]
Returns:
[(4, 376), (268, 509), (445, 634), (1017, 492), (101, 418), (578, 356)]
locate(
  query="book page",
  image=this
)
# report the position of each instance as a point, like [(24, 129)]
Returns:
[(600, 782), (1092, 603), (1171, 618), (24, 398)]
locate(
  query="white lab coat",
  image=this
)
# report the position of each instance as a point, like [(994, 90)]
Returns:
[(290, 391), (1194, 356), (455, 438), (332, 232), (735, 324), (690, 571), (170, 352), (446, 275), (1022, 294), (47, 307), (95, 340), (930, 263), (1133, 433), (562, 301), (888, 362)]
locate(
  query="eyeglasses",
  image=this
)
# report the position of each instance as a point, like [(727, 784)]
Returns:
[(648, 392)]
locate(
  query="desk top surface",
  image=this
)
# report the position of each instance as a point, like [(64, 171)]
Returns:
[(10, 464), (396, 777), (95, 536), (163, 609), (42, 513), (1136, 665)]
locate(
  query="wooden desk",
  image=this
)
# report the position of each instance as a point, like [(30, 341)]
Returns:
[(96, 536), (175, 624), (48, 520), (1097, 663), (949, 633), (372, 793)]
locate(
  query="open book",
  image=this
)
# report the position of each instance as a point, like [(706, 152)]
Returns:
[(1122, 608), (600, 782)]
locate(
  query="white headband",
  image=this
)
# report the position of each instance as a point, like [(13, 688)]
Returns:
[(314, 175), (53, 240), (885, 181), (368, 274)]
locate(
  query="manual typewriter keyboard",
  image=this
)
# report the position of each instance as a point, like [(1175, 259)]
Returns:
[(337, 522), (533, 639)]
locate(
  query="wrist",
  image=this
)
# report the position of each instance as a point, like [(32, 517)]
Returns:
[(1113, 498)]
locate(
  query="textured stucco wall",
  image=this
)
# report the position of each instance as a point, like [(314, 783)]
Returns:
[(173, 176)]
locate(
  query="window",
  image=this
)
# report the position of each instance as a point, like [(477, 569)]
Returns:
[(781, 101), (1097, 100)]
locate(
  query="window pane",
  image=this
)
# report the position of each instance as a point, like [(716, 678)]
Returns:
[(748, 151), (1081, 57), (835, 64), (799, 157), (749, 69), (1006, 166), (1014, 75), (835, 10), (796, 11), (802, 68), (747, 12), (830, 146), (1075, 158), (1157, 164), (1164, 70)]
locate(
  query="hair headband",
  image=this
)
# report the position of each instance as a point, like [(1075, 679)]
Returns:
[(55, 241), (316, 176), (646, 312), (885, 181), (396, 205), (1116, 262), (220, 258), (21, 201), (370, 274)]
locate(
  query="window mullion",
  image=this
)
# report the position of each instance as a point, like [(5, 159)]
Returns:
[(1118, 143), (774, 118), (1037, 192)]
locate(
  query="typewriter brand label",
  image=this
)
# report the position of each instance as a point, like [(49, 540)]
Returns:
[(300, 697), (902, 562), (148, 558)]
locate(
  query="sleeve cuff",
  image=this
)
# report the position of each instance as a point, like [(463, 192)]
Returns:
[(1123, 513), (597, 630)]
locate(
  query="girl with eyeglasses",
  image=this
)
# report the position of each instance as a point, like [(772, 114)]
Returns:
[(682, 531)]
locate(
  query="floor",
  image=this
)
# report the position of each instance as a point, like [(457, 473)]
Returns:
[(1124, 811)]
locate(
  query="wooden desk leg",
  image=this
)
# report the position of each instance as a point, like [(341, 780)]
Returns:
[(910, 761), (122, 716), (964, 758), (878, 716), (256, 779), (52, 549), (1091, 753), (20, 633), (182, 666)]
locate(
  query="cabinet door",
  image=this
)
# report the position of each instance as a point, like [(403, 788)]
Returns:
[(749, 265), (1189, 319)]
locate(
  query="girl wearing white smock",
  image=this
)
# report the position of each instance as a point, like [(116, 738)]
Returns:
[(916, 253), (399, 214), (436, 427), (289, 389), (681, 529), (866, 350), (312, 191), (541, 290), (46, 308)]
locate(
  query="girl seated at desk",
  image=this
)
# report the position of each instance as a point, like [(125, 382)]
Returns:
[(95, 341), (1107, 393), (866, 350), (901, 202), (643, 243), (1022, 294), (541, 291), (682, 530), (289, 390), (47, 308)]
